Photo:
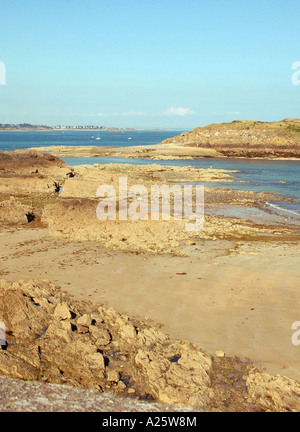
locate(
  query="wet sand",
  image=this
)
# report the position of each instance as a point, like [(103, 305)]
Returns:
[(236, 296)]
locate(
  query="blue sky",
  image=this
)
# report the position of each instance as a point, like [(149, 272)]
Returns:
[(148, 63)]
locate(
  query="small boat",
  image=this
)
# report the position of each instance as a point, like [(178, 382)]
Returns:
[(98, 138)]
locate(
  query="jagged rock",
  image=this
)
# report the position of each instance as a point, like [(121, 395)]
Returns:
[(100, 335), (85, 320), (185, 380), (20, 313), (126, 329), (113, 376), (83, 323), (15, 367), (151, 336), (62, 312), (60, 330)]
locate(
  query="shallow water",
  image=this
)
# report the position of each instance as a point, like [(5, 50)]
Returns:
[(256, 215)]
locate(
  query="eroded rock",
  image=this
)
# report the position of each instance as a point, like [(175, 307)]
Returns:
[(26, 172), (274, 393), (14, 212)]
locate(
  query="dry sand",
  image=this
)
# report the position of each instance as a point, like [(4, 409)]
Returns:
[(239, 297)]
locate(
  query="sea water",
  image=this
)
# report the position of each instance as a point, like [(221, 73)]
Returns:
[(23, 140)]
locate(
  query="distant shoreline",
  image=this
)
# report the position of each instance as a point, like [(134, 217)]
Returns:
[(88, 130)]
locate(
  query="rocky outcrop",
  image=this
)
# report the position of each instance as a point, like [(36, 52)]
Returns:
[(245, 139), (274, 393), (28, 162), (12, 212), (53, 338), (25, 172)]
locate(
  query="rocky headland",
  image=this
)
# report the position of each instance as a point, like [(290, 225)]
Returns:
[(238, 139), (246, 139)]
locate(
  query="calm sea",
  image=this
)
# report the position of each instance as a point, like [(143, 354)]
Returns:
[(23, 140), (279, 177)]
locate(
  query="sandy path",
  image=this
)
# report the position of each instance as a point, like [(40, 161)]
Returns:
[(242, 300)]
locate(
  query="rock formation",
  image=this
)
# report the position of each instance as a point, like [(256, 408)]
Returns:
[(27, 172), (245, 139)]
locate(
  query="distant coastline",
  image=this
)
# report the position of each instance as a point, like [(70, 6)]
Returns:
[(26, 127)]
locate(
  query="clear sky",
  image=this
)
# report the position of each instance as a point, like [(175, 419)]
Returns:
[(148, 63)]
